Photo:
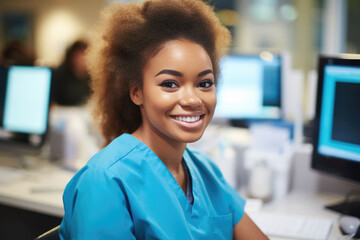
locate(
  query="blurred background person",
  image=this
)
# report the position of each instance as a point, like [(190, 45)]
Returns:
[(71, 79)]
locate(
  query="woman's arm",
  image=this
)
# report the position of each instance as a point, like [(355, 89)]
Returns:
[(246, 229)]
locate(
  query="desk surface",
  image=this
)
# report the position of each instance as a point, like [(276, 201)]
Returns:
[(38, 190), (307, 204), (41, 190)]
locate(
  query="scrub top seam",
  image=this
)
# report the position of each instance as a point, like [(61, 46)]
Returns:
[(138, 145)]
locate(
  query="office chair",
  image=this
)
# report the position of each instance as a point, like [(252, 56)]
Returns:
[(52, 234)]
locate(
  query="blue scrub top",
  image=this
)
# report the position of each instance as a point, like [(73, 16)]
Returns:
[(126, 192)]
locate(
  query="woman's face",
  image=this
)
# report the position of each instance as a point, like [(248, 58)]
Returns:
[(178, 96)]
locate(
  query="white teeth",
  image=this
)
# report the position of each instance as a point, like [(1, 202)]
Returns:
[(188, 119)]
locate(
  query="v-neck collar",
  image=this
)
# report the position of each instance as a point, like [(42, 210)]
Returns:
[(160, 167), (188, 189)]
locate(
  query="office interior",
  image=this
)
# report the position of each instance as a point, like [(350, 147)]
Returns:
[(268, 161)]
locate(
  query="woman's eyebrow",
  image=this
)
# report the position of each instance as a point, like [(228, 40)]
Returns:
[(171, 72), (179, 74), (203, 73)]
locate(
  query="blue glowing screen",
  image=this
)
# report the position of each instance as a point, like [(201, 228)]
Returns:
[(249, 87), (339, 134), (27, 99)]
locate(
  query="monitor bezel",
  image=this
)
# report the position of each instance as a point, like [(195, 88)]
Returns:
[(336, 166)]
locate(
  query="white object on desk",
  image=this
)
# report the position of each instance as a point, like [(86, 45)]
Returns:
[(260, 185), (268, 159), (8, 174), (349, 224), (72, 139), (292, 226)]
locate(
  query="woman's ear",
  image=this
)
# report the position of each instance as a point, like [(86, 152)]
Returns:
[(136, 95)]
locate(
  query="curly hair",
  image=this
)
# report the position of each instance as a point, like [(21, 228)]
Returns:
[(127, 36)]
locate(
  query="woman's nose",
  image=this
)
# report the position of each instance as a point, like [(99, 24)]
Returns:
[(190, 99)]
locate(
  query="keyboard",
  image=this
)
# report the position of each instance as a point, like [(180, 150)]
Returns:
[(292, 226)]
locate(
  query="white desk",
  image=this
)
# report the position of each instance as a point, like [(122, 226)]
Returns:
[(40, 190), (307, 204)]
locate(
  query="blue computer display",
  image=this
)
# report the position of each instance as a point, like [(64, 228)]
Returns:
[(27, 99), (340, 115), (249, 87), (25, 93), (336, 137), (337, 117)]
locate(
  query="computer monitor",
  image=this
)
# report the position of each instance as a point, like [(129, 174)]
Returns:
[(249, 88), (337, 118), (24, 105)]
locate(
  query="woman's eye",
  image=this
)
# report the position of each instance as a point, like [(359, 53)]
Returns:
[(206, 84), (168, 84)]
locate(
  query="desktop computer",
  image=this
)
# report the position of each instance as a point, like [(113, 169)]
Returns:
[(336, 151), (336, 138), (24, 108)]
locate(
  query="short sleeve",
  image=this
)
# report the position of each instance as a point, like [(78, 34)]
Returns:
[(95, 207)]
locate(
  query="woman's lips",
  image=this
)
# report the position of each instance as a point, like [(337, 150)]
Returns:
[(188, 121)]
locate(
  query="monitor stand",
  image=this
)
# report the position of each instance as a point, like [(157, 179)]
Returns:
[(350, 207), (241, 123)]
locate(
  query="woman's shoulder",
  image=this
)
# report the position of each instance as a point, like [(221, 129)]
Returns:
[(118, 152), (112, 162)]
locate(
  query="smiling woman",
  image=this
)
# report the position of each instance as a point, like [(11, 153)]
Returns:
[(154, 69), (177, 97)]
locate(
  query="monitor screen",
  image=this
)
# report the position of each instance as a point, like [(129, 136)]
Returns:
[(249, 87), (337, 117), (25, 97)]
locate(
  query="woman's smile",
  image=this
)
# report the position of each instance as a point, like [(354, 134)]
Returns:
[(189, 121)]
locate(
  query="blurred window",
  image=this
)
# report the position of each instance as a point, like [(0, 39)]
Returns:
[(353, 22)]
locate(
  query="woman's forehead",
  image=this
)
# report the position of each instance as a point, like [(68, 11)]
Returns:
[(173, 52)]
